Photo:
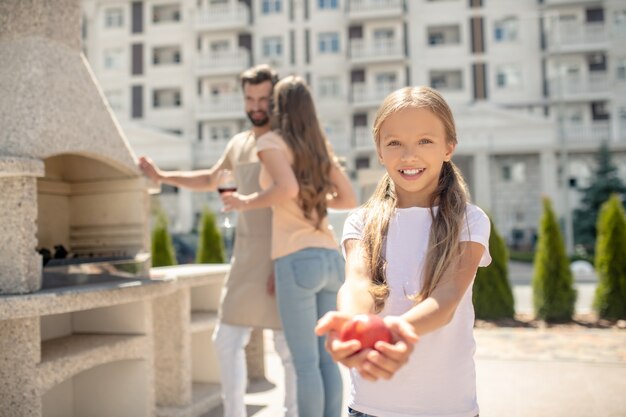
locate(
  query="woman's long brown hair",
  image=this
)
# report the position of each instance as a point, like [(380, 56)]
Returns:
[(450, 196), (295, 119)]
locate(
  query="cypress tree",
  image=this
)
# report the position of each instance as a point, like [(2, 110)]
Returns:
[(210, 245), (610, 297), (554, 296), (604, 183), (492, 294), (163, 253)]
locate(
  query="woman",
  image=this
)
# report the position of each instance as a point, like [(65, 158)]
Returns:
[(301, 178)]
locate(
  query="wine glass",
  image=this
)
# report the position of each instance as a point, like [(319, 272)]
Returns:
[(226, 184)]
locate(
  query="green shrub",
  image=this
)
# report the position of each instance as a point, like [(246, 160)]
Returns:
[(610, 297), (554, 296), (210, 245), (492, 295), (163, 253)]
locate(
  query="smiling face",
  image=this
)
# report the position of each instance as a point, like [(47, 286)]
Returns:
[(412, 146), (257, 100)]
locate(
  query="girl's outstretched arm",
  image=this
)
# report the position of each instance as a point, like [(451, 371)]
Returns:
[(354, 298), (438, 309), (285, 185)]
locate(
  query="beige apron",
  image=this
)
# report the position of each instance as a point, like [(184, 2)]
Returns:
[(245, 301)]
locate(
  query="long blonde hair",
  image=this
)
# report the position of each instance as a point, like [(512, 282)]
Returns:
[(295, 119), (451, 196)]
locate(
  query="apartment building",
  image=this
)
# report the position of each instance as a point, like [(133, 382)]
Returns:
[(535, 85)]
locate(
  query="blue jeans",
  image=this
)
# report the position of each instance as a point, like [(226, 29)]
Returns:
[(307, 282)]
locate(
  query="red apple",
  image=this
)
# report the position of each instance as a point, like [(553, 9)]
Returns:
[(367, 329)]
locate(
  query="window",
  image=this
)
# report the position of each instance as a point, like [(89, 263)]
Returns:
[(514, 172), (328, 42), (596, 62), (508, 76), (166, 55), (219, 47), (384, 34), (272, 47), (449, 80), (114, 98), (444, 35), (271, 6), (219, 133), (113, 59), (620, 69), (599, 110), (619, 18), (114, 18), (166, 97), (327, 4), (166, 13), (506, 29), (329, 87)]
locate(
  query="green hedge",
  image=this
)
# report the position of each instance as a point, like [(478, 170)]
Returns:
[(610, 297), (492, 294), (163, 253), (554, 295), (210, 245)]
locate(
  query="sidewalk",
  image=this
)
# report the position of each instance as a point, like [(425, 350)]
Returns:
[(520, 372)]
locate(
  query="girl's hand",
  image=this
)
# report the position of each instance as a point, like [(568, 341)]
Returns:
[(387, 358), (233, 202), (347, 353)]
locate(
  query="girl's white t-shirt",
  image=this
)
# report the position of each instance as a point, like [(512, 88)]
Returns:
[(439, 379)]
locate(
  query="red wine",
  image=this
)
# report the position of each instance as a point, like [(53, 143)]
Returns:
[(223, 190)]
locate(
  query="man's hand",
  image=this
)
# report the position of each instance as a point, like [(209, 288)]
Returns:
[(270, 285), (149, 169), (373, 364)]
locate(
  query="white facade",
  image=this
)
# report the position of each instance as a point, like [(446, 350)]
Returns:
[(526, 79)]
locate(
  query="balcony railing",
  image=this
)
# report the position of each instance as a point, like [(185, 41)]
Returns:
[(364, 95), (570, 87), (359, 8), (593, 132), (222, 17), (221, 106), (575, 33), (376, 50), (363, 137), (224, 62)]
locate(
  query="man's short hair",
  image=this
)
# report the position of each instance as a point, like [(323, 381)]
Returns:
[(258, 74)]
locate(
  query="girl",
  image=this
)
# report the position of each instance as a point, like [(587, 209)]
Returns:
[(412, 253), (300, 180)]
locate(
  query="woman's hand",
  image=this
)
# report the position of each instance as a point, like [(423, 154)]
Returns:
[(373, 364)]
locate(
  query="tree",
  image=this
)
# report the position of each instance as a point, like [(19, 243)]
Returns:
[(211, 245), (604, 183), (492, 294), (163, 253), (554, 296), (610, 297)]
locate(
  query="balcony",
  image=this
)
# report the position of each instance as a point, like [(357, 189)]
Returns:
[(364, 96), (223, 63), (374, 9), (221, 107), (587, 133), (209, 151), (376, 51), (218, 18), (575, 36), (595, 86)]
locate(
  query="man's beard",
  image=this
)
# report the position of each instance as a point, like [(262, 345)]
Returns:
[(259, 122)]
